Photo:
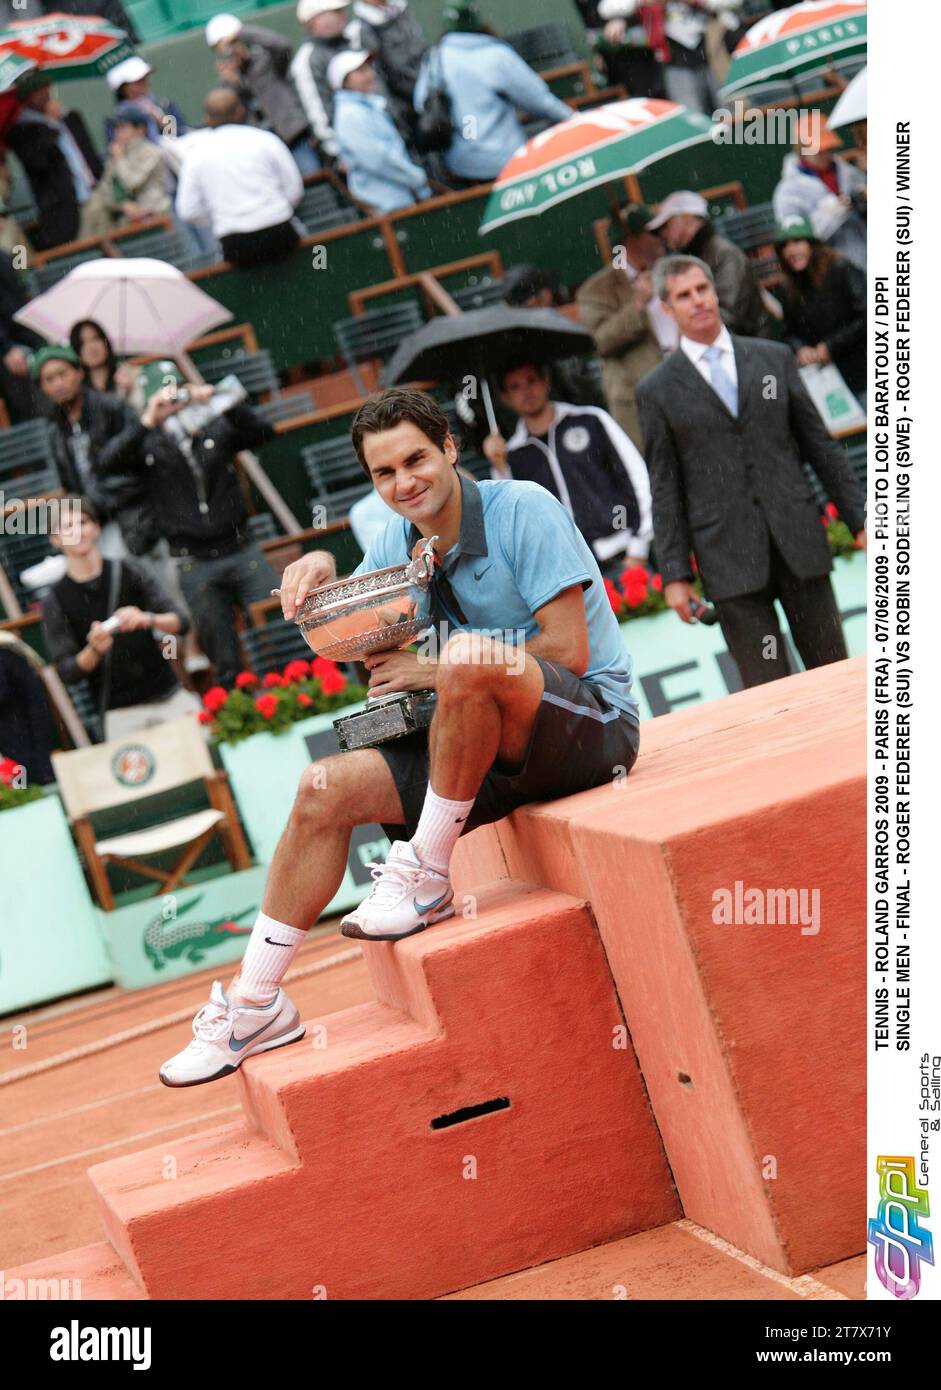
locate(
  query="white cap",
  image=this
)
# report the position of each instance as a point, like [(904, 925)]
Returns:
[(678, 202), (340, 67), (222, 26), (131, 70), (310, 9)]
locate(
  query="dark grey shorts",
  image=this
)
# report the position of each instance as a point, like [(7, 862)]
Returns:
[(578, 741)]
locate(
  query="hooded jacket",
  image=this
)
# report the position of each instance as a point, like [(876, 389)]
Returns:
[(487, 82), (803, 194), (381, 173)]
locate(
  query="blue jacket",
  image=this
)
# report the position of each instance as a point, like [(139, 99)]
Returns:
[(380, 170), (154, 132), (487, 82)]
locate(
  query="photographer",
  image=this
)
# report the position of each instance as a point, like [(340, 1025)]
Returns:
[(100, 622), (184, 453)]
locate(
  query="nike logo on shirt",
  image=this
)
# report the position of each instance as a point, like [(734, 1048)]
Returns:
[(481, 574)]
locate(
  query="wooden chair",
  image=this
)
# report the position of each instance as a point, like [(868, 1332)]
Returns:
[(127, 771)]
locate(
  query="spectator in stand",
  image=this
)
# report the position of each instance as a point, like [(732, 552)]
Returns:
[(93, 434), (130, 81), (193, 486), (329, 32), (631, 48), (823, 296), (487, 83), (58, 158), (256, 62), (726, 471), (388, 29), (16, 345), (676, 35), (379, 170), (586, 460), (103, 369), (243, 182), (828, 192), (133, 185), (631, 328), (683, 221), (26, 733), (132, 680)]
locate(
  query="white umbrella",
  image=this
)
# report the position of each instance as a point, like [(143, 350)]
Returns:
[(851, 106), (144, 305)]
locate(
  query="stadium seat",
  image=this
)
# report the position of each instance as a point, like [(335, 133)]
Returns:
[(170, 246), (375, 334), (19, 553), (272, 646), (262, 527), (85, 707), (254, 370), (748, 228), (483, 292), (27, 467), (543, 45), (320, 209)]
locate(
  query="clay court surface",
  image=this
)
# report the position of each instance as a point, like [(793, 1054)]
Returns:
[(85, 1089)]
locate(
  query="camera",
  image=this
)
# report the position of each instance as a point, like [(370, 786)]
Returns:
[(112, 624)]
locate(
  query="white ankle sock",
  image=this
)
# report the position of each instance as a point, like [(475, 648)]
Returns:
[(271, 948), (439, 829)]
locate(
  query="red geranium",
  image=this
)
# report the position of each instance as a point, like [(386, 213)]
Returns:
[(304, 700), (8, 770), (272, 679), (614, 598), (245, 680), (657, 583), (266, 705), (634, 574), (332, 682), (204, 717), (320, 666), (634, 595), (214, 698), (831, 511), (297, 670)]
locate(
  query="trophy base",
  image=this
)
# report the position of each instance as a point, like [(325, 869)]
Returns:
[(387, 717)]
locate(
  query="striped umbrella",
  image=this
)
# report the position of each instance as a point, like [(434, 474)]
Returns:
[(591, 148), (63, 46), (798, 40)]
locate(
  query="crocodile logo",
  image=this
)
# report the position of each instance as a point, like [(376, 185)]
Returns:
[(171, 938)]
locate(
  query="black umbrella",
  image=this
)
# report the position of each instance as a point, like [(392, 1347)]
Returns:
[(481, 340), (477, 341)]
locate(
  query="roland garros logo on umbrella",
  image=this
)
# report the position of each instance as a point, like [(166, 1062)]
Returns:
[(588, 149), (801, 38), (66, 45)]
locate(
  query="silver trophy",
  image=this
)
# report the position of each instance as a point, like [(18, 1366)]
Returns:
[(375, 612)]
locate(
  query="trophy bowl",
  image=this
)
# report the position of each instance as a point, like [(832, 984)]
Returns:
[(374, 612)]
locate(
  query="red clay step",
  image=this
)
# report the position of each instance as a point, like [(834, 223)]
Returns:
[(338, 1181), (751, 1038)]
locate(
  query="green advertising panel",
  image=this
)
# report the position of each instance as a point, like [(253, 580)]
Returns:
[(50, 944)]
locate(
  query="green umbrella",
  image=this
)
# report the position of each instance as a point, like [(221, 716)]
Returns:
[(797, 40), (63, 46), (591, 148)]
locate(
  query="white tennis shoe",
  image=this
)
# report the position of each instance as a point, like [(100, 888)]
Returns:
[(406, 897), (225, 1033)]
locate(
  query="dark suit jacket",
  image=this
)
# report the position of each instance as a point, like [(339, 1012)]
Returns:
[(37, 148), (721, 483)]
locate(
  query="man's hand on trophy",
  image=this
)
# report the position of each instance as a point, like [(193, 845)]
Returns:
[(398, 670), (309, 572)]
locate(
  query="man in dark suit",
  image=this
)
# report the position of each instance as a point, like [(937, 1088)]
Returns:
[(727, 424), (58, 157)]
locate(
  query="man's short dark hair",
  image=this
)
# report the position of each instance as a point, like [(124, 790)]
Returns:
[(386, 409), (514, 365)]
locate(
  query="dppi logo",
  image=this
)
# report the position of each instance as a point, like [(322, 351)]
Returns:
[(900, 1242)]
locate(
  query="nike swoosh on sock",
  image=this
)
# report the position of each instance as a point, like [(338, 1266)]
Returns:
[(285, 944)]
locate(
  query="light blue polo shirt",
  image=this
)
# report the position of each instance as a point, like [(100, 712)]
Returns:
[(518, 549)]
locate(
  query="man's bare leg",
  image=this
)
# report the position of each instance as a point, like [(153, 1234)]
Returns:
[(333, 796), (487, 704)]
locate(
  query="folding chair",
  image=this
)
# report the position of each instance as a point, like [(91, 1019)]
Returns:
[(375, 334), (127, 771)]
